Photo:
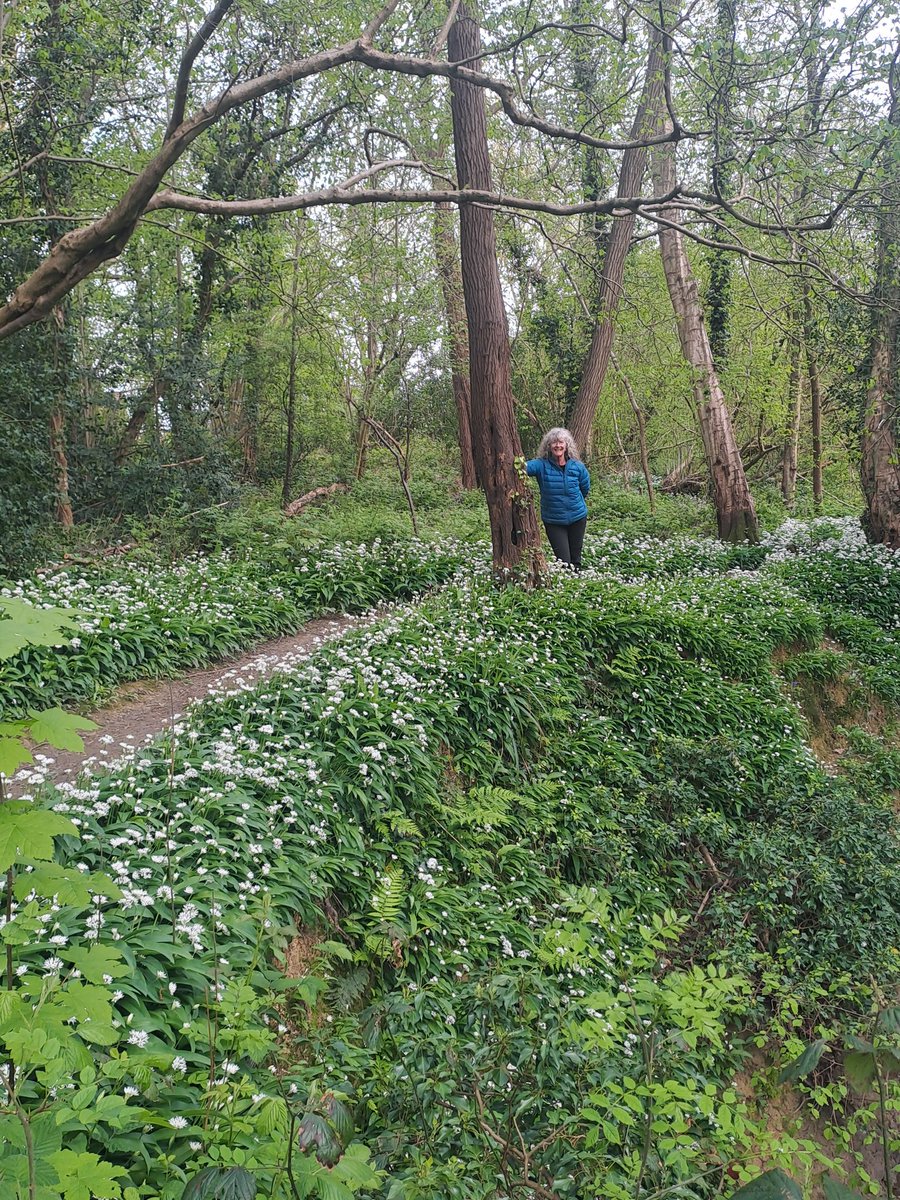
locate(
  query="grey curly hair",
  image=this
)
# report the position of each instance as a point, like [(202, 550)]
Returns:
[(554, 435)]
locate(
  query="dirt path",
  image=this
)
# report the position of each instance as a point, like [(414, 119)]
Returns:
[(147, 708)]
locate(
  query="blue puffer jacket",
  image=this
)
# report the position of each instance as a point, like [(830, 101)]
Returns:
[(563, 489)]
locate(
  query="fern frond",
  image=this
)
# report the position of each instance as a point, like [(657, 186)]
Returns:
[(483, 806), (389, 897), (348, 989)]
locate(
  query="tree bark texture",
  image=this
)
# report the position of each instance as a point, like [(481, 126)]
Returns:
[(815, 404), (735, 512), (447, 258), (64, 514), (791, 450), (879, 467), (631, 176), (514, 529), (291, 413)]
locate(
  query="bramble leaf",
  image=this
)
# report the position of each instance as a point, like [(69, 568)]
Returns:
[(836, 1191), (859, 1067), (97, 961)]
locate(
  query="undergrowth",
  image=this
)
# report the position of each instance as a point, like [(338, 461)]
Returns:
[(558, 860)]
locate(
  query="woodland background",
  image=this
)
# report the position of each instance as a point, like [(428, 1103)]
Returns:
[(183, 340)]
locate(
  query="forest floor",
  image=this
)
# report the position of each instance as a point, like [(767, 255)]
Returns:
[(147, 708)]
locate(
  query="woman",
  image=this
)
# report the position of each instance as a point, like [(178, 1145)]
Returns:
[(564, 482)]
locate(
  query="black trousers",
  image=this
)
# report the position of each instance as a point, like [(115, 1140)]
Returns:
[(567, 541)]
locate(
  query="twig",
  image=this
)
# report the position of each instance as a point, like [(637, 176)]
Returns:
[(708, 859)]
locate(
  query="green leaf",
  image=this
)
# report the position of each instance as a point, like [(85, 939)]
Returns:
[(315, 1132), (221, 1183), (889, 1020), (308, 988), (50, 879), (335, 950), (25, 625), (330, 1188), (774, 1185), (888, 1060), (84, 1002), (28, 832), (97, 961), (339, 1116), (859, 1067), (858, 1043), (99, 1033), (59, 728), (836, 1191), (354, 1168), (85, 1177), (12, 755), (805, 1063)]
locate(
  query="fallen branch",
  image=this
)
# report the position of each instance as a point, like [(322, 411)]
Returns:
[(184, 462), (313, 497)]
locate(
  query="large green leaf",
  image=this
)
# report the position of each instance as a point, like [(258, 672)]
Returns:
[(85, 1176), (889, 1020), (96, 961), (59, 728), (859, 1067), (774, 1185), (21, 624), (50, 879), (355, 1168), (803, 1064), (28, 832), (221, 1183), (13, 755)]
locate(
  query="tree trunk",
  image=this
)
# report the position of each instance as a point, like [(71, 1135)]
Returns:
[(291, 415), (137, 420), (791, 449), (514, 528), (447, 257), (815, 399), (58, 428), (879, 465), (362, 450), (631, 176), (61, 467), (735, 513), (641, 421), (724, 80)]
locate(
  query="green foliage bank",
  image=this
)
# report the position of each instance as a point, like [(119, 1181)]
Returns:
[(541, 870)]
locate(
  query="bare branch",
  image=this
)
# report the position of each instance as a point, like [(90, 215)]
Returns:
[(441, 38), (210, 24), (377, 22), (342, 194), (23, 166)]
